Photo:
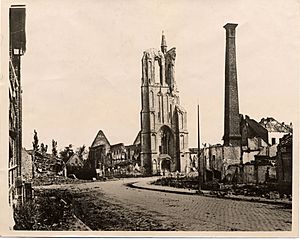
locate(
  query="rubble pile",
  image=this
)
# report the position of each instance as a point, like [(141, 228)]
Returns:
[(50, 210), (48, 170), (266, 190), (186, 182), (43, 180), (47, 164)]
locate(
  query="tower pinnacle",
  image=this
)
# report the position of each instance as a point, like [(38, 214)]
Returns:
[(163, 43)]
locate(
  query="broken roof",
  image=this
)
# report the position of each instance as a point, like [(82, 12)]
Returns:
[(272, 125), (74, 156), (257, 128), (100, 139), (286, 140), (119, 145), (137, 139)]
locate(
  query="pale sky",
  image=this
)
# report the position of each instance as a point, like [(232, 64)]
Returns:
[(82, 69)]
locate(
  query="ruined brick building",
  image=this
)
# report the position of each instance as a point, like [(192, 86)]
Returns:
[(285, 164), (164, 135)]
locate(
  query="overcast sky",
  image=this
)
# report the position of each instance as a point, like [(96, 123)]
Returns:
[(82, 69)]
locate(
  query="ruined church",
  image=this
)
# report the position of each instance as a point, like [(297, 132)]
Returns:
[(164, 135)]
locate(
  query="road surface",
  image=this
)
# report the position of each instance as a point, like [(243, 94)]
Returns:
[(151, 210)]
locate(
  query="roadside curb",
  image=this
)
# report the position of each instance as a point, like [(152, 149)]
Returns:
[(193, 192), (81, 224), (132, 185)]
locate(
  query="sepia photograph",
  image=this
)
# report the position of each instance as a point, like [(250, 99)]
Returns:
[(150, 118)]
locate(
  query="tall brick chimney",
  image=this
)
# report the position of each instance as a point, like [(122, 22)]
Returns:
[(232, 135)]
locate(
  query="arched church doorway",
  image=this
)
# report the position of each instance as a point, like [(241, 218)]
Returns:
[(166, 165), (167, 141), (166, 149)]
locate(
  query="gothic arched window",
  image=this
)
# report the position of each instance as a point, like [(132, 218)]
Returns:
[(159, 108), (157, 72), (170, 114), (152, 98), (153, 141), (181, 120), (152, 120), (181, 142)]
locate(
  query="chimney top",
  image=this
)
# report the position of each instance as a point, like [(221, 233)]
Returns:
[(230, 25)]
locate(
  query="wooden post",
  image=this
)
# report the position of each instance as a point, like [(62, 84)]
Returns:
[(199, 153)]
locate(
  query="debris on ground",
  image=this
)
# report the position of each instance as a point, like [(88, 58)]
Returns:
[(50, 210)]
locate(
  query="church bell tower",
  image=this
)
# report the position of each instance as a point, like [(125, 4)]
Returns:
[(164, 135)]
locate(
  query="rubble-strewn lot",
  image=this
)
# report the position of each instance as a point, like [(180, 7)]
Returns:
[(50, 210), (267, 190)]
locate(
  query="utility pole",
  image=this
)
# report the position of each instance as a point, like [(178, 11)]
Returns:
[(199, 153)]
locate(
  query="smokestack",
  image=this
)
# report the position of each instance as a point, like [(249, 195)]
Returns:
[(232, 135)]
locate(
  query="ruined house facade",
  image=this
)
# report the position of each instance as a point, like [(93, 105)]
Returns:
[(261, 139), (284, 159), (257, 161), (276, 130), (164, 135), (17, 47)]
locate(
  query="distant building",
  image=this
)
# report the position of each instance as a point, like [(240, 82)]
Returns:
[(275, 129), (74, 164)]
